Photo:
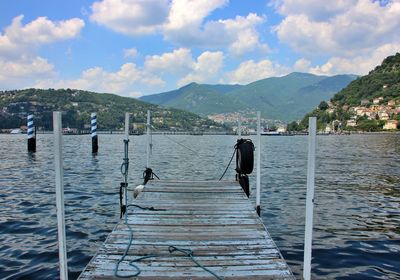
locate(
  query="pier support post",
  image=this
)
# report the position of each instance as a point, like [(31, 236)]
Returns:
[(93, 122), (149, 144), (258, 186), (58, 161), (312, 129), (31, 137)]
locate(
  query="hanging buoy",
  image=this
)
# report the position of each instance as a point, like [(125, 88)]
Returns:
[(137, 190), (244, 156)]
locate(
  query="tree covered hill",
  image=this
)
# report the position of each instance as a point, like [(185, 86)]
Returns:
[(369, 103), (77, 106), (383, 81), (280, 98)]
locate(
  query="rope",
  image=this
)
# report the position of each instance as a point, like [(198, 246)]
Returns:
[(180, 144), (189, 254), (226, 169)]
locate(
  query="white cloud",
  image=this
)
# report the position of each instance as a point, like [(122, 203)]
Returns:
[(131, 17), (302, 65), (360, 65), (191, 13), (250, 71), (181, 22), (205, 70), (22, 73), (19, 65), (20, 39), (343, 29), (239, 35), (124, 82), (130, 53), (178, 61)]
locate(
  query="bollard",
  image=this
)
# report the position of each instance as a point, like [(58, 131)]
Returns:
[(31, 137), (95, 146)]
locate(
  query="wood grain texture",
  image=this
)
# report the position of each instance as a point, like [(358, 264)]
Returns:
[(214, 219)]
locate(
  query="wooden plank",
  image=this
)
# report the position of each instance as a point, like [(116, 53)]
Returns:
[(214, 219)]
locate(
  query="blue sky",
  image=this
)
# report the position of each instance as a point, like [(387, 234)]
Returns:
[(139, 47)]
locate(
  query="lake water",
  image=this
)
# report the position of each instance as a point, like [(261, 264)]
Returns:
[(356, 215)]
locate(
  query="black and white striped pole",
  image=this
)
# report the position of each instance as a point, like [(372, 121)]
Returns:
[(93, 121), (31, 137)]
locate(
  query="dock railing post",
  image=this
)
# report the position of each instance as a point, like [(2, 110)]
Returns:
[(62, 247), (312, 129), (258, 186), (148, 139), (93, 124), (126, 164), (239, 128)]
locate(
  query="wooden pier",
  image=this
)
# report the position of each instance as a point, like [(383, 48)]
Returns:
[(214, 219)]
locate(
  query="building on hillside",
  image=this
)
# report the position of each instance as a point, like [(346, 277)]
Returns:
[(391, 103), (364, 102), (390, 124), (377, 100), (383, 116), (351, 123)]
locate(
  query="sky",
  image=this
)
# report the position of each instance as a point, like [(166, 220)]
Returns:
[(140, 47)]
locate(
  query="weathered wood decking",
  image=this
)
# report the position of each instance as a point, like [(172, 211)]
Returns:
[(214, 219)]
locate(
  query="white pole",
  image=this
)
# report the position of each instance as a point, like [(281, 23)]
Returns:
[(126, 161), (126, 126), (258, 190), (239, 129), (148, 139), (312, 128), (62, 248)]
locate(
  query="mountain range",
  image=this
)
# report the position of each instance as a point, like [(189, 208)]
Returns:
[(283, 98)]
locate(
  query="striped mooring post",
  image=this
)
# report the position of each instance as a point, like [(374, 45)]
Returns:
[(31, 137), (95, 146)]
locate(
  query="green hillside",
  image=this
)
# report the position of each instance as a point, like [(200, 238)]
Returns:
[(199, 99), (283, 98), (77, 106), (369, 103)]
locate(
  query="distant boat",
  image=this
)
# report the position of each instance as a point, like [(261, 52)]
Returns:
[(270, 133), (16, 131)]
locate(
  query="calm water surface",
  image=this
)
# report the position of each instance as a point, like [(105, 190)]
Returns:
[(356, 218)]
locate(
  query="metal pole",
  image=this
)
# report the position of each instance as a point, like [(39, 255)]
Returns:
[(312, 128), (258, 189), (148, 139), (62, 247), (31, 138), (126, 163), (93, 122), (239, 129)]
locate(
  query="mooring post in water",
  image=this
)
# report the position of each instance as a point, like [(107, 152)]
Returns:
[(239, 128), (258, 189), (31, 137), (312, 129), (58, 161), (93, 122), (126, 165), (149, 144)]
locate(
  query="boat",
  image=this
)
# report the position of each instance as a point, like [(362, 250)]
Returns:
[(16, 131)]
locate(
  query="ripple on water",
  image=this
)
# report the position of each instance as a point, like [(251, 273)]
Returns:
[(357, 199)]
